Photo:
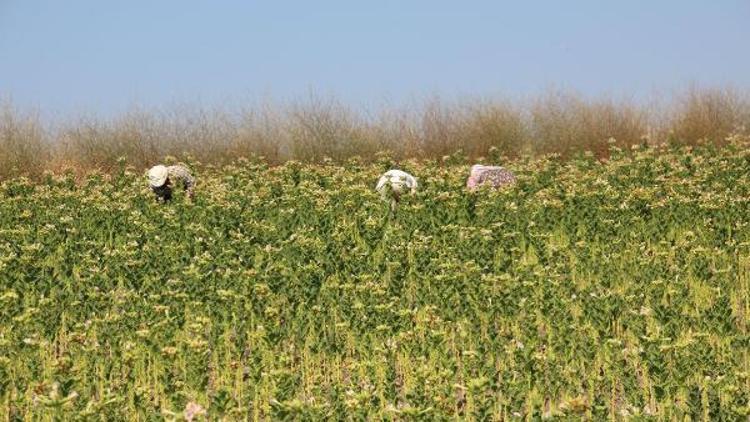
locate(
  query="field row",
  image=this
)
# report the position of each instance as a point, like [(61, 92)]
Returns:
[(599, 289)]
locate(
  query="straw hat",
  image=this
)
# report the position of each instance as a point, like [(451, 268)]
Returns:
[(157, 176)]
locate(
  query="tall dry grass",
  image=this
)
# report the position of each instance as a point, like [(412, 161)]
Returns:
[(707, 115), (564, 123), (321, 128), (24, 147)]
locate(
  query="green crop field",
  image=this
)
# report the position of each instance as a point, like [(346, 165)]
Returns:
[(600, 290)]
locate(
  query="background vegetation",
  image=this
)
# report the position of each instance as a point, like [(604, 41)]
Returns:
[(321, 128)]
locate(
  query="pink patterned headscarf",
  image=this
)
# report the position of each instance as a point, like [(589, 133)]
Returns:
[(473, 180), (494, 176)]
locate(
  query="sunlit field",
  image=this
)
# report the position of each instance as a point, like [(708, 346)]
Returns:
[(592, 288)]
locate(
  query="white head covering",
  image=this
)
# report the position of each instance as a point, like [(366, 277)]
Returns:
[(157, 176), (398, 180)]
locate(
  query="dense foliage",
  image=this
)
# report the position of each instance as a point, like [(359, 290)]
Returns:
[(594, 289)]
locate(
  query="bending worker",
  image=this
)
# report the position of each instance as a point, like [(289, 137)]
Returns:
[(494, 176), (393, 183), (162, 179)]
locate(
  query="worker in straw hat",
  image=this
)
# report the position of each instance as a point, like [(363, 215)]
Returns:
[(163, 178), (494, 176)]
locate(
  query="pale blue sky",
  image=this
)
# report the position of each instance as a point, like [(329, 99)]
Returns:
[(105, 56)]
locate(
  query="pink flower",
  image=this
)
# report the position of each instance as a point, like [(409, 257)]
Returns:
[(192, 410)]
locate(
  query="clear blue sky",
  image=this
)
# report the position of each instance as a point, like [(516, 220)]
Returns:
[(105, 56)]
